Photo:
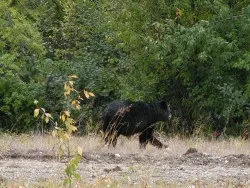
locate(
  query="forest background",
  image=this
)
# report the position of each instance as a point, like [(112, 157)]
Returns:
[(194, 53)]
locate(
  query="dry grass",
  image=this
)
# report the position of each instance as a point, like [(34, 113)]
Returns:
[(93, 144), (212, 147), (177, 146)]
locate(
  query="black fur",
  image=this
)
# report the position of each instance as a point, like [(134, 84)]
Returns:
[(128, 118)]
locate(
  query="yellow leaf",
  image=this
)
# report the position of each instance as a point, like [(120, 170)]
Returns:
[(91, 94), (73, 102), (78, 107), (86, 93), (65, 86), (63, 118), (71, 83), (79, 150), (72, 128), (48, 115), (67, 113), (67, 92), (68, 87), (46, 119), (36, 112), (76, 104), (69, 121), (73, 76)]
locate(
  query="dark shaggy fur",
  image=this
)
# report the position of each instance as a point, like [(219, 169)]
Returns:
[(128, 118)]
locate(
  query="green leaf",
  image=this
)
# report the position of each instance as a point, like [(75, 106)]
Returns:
[(77, 176), (35, 102), (66, 182)]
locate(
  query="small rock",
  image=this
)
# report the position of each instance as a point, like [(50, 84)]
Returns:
[(181, 168), (117, 168), (167, 151), (117, 155), (191, 150), (98, 156)]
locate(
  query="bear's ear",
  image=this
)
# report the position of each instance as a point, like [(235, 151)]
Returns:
[(163, 105)]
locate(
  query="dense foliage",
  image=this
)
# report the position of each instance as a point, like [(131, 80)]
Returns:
[(195, 54)]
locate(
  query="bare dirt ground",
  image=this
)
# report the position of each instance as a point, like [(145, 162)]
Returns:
[(203, 164)]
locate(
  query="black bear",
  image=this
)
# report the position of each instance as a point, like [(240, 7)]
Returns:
[(128, 118)]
